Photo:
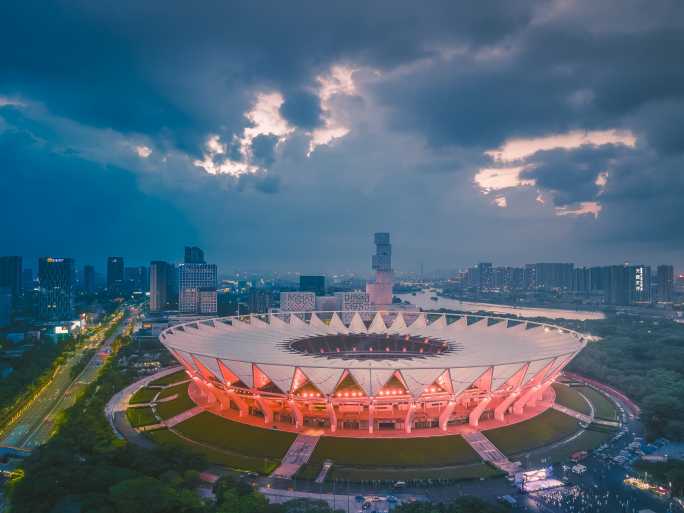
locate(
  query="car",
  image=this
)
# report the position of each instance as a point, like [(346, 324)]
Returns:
[(360, 498), (366, 505), (399, 484), (392, 499)]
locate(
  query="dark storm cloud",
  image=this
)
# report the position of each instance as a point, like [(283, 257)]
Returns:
[(302, 109), (436, 86)]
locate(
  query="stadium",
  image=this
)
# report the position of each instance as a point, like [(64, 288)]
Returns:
[(372, 374)]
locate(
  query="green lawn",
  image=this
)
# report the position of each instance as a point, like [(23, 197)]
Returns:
[(169, 409), (171, 378), (216, 457), (144, 395), (587, 441), (233, 436), (398, 452), (570, 398), (141, 416), (541, 430), (603, 407)]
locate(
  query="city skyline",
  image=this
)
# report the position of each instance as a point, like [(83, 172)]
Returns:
[(475, 139)]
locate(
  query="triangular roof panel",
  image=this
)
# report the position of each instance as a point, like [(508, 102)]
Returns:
[(379, 378), (463, 377), (323, 378), (337, 325), (502, 373), (535, 368), (399, 323), (363, 379), (417, 380), (356, 325), (242, 370), (280, 375), (378, 324)]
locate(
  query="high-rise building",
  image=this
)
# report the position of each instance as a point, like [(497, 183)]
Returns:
[(486, 275), (27, 280), (115, 276), (193, 255), (197, 287), (5, 306), (297, 301), (665, 280), (315, 284), (10, 275), (136, 279), (380, 291), (56, 296), (639, 284), (161, 286), (617, 285), (552, 276), (259, 300), (88, 279)]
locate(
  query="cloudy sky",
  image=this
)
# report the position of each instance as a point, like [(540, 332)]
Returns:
[(281, 135)]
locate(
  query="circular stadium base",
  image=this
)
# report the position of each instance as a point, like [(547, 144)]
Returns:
[(208, 402)]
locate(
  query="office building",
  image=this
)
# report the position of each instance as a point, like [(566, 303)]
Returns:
[(56, 295), (193, 255), (196, 283), (259, 300), (326, 303), (380, 291), (639, 284), (616, 283), (5, 306), (552, 276), (136, 279), (665, 283), (88, 285), (161, 286), (115, 276), (315, 284), (297, 301), (10, 275), (27, 283), (486, 275)]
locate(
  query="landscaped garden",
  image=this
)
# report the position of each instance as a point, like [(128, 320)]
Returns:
[(570, 398), (169, 409), (604, 408), (139, 417), (169, 379), (143, 395)]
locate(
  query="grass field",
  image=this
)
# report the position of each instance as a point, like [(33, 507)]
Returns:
[(183, 402), (570, 398), (394, 452), (587, 441), (235, 437), (144, 395), (141, 416), (171, 378), (604, 407), (541, 430), (216, 457)]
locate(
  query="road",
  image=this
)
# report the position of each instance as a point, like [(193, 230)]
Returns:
[(34, 425)]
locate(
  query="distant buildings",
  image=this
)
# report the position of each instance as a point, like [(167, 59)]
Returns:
[(665, 283), (193, 255), (315, 284), (115, 276), (326, 303), (10, 275), (485, 275), (56, 294), (162, 290), (259, 300), (380, 291), (89, 286), (136, 279), (297, 301), (353, 301), (5, 306)]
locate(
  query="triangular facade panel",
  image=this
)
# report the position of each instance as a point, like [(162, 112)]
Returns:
[(535, 368), (379, 378), (211, 364), (417, 380), (363, 379), (242, 370), (502, 373), (323, 378), (399, 323), (280, 375), (337, 325), (463, 377), (378, 324), (356, 325)]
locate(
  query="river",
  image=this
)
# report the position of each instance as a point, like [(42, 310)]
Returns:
[(422, 300)]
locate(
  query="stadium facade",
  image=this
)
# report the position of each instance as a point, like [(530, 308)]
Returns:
[(382, 373)]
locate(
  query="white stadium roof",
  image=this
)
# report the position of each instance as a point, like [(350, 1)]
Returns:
[(506, 346)]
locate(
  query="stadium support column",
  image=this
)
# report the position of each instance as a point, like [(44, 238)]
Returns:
[(520, 403), (239, 402), (299, 418), (474, 417), (500, 411), (446, 414), (408, 420), (265, 408), (331, 415), (371, 421)]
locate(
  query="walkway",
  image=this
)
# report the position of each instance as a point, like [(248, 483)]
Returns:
[(182, 417), (582, 417), (488, 452), (297, 455), (327, 465), (115, 409)]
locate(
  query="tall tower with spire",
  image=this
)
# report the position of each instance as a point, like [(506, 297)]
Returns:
[(380, 291)]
